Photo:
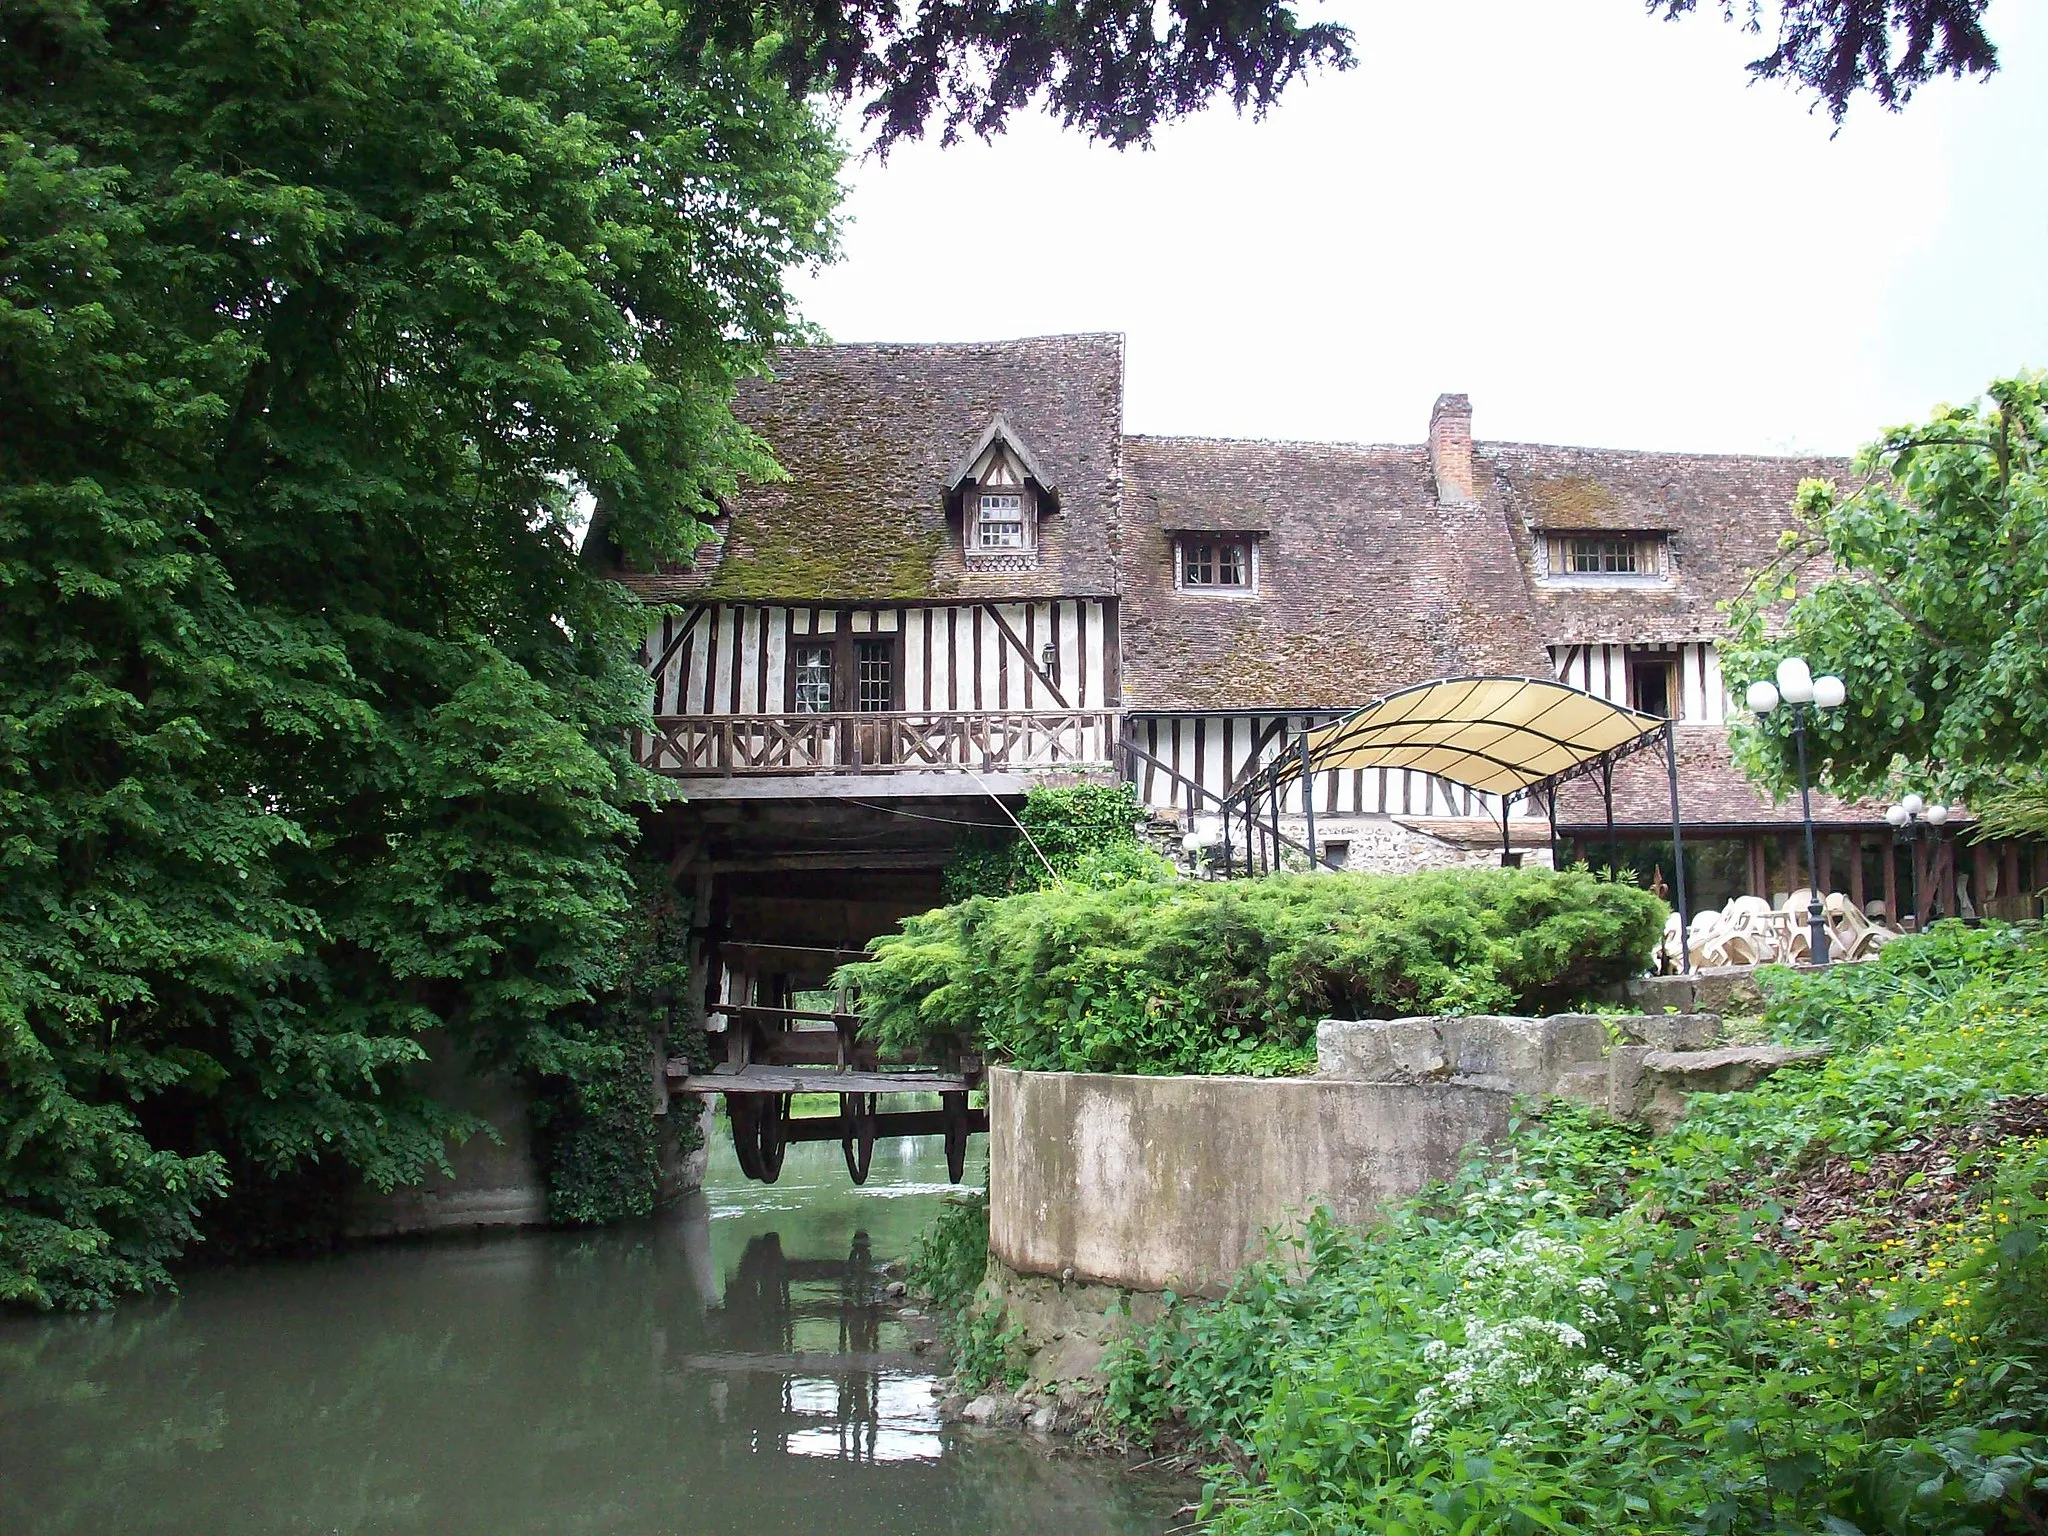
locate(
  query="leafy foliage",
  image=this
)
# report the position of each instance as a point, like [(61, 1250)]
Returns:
[(1062, 829), (1932, 612), (1188, 976), (1836, 48), (1118, 71), (600, 1143), (312, 724), (947, 1269), (1591, 1329)]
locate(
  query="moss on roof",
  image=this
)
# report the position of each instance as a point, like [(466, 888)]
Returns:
[(1571, 501)]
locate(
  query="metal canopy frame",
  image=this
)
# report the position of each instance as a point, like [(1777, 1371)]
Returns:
[(1493, 735)]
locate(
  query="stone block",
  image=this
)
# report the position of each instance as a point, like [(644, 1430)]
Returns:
[(1518, 1055), (1381, 1050), (1671, 1031), (1498, 1051), (1625, 1081), (1654, 994), (1577, 1038), (1585, 1083), (1070, 1357), (1665, 1081), (1727, 989)]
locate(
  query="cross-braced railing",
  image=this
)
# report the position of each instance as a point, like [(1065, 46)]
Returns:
[(881, 742)]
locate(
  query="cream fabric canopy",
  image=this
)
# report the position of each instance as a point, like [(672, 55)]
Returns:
[(1502, 735)]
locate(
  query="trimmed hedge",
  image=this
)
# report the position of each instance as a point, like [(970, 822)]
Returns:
[(1192, 976)]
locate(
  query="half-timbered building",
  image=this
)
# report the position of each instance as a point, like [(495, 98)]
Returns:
[(972, 579)]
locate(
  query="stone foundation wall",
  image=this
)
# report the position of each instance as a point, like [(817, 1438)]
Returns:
[(1151, 1183), (497, 1183)]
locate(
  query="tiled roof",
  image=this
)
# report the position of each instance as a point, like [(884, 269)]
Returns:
[(1366, 583), (1723, 514), (868, 434), (1711, 791)]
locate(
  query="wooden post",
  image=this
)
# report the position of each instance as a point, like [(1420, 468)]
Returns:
[(1980, 871), (1759, 879), (1947, 876), (1891, 883), (1825, 874), (1856, 870), (2009, 859)]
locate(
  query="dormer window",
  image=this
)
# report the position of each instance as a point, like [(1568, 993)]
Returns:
[(1213, 562), (1607, 557), (1000, 524), (999, 492)]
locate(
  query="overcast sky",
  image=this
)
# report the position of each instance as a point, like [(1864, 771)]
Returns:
[(1586, 219)]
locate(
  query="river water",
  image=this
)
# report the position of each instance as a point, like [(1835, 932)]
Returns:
[(730, 1367)]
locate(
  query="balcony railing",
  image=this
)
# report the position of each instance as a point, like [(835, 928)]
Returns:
[(876, 742)]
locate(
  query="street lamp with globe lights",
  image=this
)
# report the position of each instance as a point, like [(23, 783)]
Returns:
[(1917, 822), (1797, 686)]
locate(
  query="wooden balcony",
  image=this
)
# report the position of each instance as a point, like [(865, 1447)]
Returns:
[(881, 744)]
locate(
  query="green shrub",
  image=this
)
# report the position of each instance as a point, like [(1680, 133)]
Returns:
[(1593, 1330), (947, 1269), (1145, 975), (1088, 830)]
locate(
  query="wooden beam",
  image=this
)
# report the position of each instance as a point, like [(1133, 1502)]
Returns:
[(888, 784), (836, 957), (814, 1080), (934, 857), (1031, 661), (675, 643)]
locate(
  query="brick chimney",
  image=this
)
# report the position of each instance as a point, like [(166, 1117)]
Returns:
[(1450, 449)]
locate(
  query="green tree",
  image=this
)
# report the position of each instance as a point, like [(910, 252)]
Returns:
[(1116, 69), (1924, 584), (312, 726)]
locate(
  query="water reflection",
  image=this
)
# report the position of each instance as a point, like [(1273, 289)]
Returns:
[(799, 1343), (733, 1367)]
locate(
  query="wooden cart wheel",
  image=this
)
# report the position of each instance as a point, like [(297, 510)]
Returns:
[(770, 1143), (954, 1106), (857, 1114), (744, 1111)]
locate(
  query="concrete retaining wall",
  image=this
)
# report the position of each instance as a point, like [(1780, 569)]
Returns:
[(1153, 1183)]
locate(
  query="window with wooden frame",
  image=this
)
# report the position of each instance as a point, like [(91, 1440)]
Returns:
[(842, 671), (1000, 520), (811, 672), (1208, 562), (1618, 556)]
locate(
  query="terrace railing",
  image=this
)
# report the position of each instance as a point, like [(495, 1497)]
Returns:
[(695, 746)]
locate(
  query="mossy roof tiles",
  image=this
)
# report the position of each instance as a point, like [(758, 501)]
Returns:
[(868, 435), (1722, 513), (1366, 583)]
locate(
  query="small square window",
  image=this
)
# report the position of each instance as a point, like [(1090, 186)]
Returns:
[(1216, 563), (1002, 520)]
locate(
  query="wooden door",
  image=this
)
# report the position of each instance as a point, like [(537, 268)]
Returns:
[(873, 683)]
